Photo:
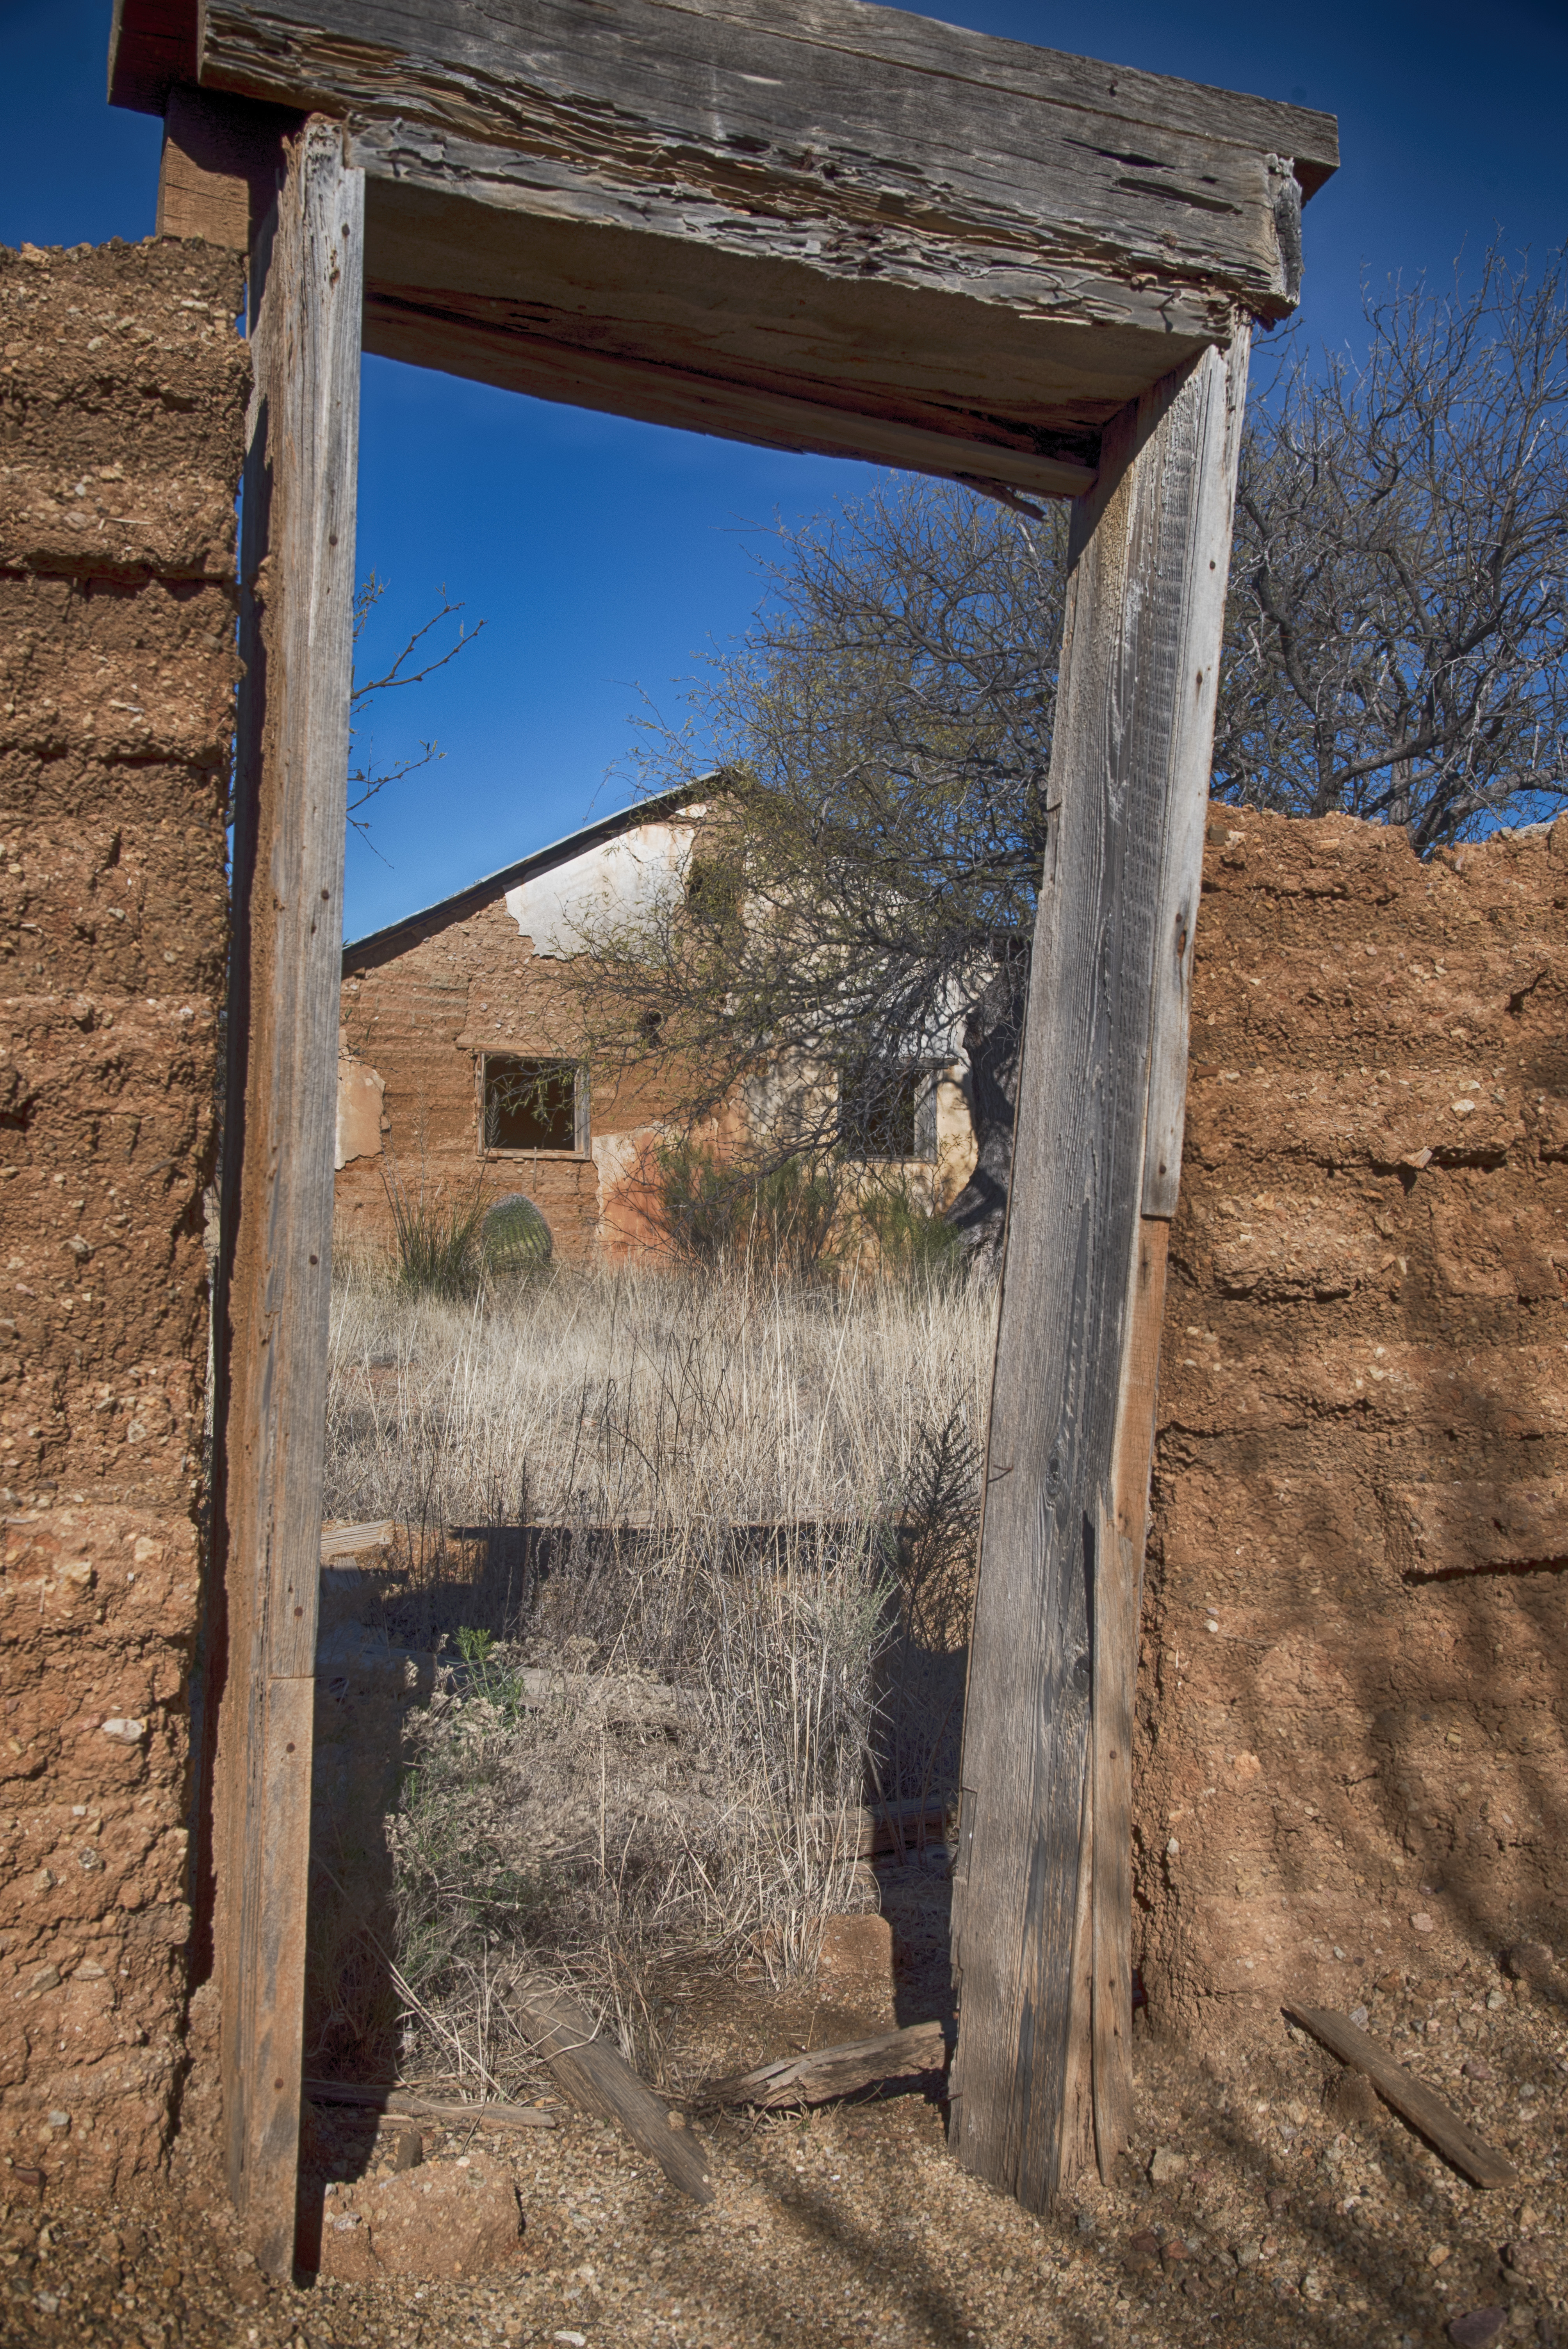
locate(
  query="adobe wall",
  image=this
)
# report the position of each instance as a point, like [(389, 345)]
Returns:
[(412, 1024), (1356, 1614), (122, 401), (418, 1009)]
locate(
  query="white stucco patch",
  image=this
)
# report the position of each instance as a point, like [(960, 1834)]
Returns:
[(607, 886), (360, 1095)]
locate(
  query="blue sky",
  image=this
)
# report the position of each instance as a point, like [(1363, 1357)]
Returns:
[(605, 556)]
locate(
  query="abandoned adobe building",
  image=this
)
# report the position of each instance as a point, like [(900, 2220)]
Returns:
[(457, 1079)]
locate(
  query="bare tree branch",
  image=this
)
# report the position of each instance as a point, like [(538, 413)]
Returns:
[(866, 878), (1396, 652), (365, 782), (1399, 578)]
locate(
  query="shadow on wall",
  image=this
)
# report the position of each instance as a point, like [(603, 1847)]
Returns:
[(1352, 1713)]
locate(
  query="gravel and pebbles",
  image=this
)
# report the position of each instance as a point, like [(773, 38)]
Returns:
[(1272, 2200)]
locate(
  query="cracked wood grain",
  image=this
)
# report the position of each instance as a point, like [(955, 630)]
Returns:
[(1069, 1407), (869, 218), (292, 758)]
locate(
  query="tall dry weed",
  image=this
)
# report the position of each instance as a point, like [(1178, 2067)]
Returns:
[(704, 1598)]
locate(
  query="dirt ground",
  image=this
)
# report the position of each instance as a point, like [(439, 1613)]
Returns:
[(1284, 2206)]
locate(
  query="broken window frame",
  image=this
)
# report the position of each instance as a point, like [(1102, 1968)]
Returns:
[(543, 1066), (924, 1078)]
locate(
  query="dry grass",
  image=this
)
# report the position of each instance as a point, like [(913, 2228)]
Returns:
[(631, 1397), (710, 1593)]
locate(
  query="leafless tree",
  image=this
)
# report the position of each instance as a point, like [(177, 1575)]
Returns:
[(366, 781), (865, 889), (1396, 644), (1395, 651)]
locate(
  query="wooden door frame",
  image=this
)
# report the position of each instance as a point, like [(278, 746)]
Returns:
[(342, 215)]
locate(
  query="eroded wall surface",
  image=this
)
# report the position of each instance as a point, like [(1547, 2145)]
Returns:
[(122, 399), (414, 1022), (1356, 1631)]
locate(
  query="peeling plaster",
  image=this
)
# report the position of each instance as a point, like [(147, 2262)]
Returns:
[(360, 1095), (613, 881)]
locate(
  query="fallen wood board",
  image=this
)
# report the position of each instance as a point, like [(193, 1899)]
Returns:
[(828, 2072), (597, 2078), (406, 2104), (1411, 2098), (347, 1541)]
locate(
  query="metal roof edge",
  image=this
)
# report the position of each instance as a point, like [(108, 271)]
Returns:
[(559, 852)]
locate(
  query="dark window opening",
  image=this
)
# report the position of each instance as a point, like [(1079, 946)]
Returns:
[(532, 1105), (713, 891), (887, 1110)]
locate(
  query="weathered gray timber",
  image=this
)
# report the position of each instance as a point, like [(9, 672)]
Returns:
[(834, 227), (291, 763), (408, 2102), (840, 228), (826, 2073), (1141, 640), (598, 2079), (1409, 2097)]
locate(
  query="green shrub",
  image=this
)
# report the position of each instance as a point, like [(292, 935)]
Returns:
[(516, 1238), (914, 1242), (439, 1245), (713, 1213)]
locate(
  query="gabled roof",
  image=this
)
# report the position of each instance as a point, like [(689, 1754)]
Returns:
[(430, 918)]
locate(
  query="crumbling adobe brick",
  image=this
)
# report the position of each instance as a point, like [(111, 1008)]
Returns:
[(123, 386), (1352, 1690)]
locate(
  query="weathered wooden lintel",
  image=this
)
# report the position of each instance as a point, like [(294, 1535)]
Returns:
[(840, 228)]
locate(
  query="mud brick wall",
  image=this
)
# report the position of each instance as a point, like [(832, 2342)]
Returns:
[(122, 398), (416, 1013), (1355, 1629)]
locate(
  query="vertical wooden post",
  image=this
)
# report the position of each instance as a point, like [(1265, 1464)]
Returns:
[(1042, 1893), (291, 773)]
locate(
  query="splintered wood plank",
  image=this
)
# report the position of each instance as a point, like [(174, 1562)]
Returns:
[(705, 113), (155, 43), (411, 2104), (828, 2072), (292, 758), (349, 1541), (845, 228), (1411, 2098), (1063, 1411), (598, 2079)]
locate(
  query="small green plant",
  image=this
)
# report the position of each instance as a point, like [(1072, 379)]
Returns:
[(516, 1236), (439, 1245), (489, 1675), (715, 1212), (914, 1241)]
